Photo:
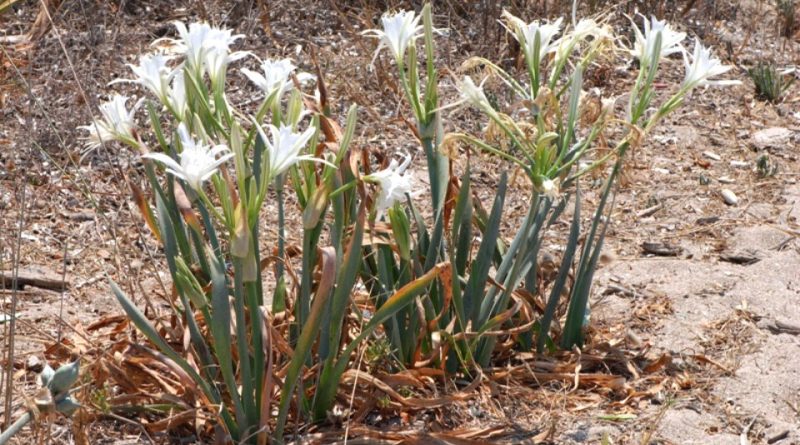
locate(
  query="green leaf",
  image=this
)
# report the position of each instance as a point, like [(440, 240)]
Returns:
[(563, 274), (220, 326), (345, 280), (63, 378), (474, 290), (572, 334), (404, 296), (401, 230), (309, 332)]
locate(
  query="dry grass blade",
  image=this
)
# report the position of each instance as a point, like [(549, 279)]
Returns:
[(353, 375)]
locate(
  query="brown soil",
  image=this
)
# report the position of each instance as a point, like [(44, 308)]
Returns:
[(736, 376)]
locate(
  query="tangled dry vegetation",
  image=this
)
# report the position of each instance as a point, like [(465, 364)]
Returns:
[(351, 257)]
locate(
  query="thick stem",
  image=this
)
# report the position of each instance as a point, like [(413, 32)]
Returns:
[(15, 428)]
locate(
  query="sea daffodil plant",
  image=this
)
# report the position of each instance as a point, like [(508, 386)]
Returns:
[(446, 288)]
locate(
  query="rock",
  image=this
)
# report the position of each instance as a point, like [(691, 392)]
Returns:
[(34, 364), (729, 197), (36, 276), (711, 155), (775, 137), (739, 164), (744, 257), (661, 249)]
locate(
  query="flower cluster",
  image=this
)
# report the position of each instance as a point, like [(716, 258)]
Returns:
[(536, 39), (117, 123), (175, 78), (394, 184), (197, 161), (657, 36), (400, 30)]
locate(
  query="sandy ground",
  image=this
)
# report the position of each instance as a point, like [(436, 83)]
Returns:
[(734, 370)]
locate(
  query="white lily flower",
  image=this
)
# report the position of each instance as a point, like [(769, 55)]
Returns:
[(117, 123), (550, 188), (584, 29), (394, 185), (192, 43), (589, 27), (703, 67), (218, 55), (276, 78), (474, 94), (646, 43), (152, 73), (400, 30), (177, 95), (200, 39), (284, 147), (198, 162), (528, 33), (471, 94)]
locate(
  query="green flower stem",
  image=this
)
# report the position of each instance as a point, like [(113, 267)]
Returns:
[(245, 361), (15, 428), (412, 99), (495, 151), (279, 183), (210, 206), (511, 135)]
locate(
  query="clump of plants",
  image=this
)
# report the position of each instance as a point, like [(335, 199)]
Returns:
[(787, 17), (771, 85), (765, 167), (443, 292), (53, 397)]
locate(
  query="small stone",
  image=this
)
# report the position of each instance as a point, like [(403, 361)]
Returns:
[(729, 197), (34, 364), (726, 180), (775, 137), (739, 164), (711, 155)]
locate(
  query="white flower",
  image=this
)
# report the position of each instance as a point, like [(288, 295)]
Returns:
[(117, 123), (218, 55), (284, 147), (703, 67), (199, 41), (584, 29), (276, 78), (527, 35), (152, 73), (646, 43), (394, 186), (473, 94), (198, 162), (177, 95), (588, 27), (192, 43), (400, 30), (550, 188)]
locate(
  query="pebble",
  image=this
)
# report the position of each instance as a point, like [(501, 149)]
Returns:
[(729, 197), (34, 364), (739, 164), (775, 137), (711, 155), (726, 180)]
